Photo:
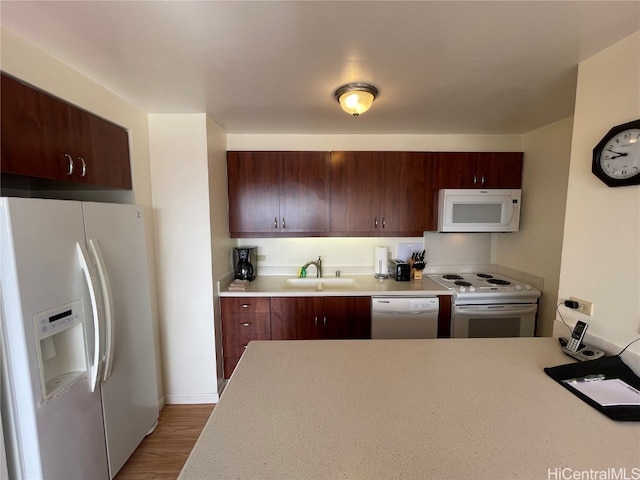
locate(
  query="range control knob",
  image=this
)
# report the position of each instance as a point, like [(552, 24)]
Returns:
[(463, 289), (518, 287), (472, 289)]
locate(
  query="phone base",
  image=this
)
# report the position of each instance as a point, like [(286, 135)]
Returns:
[(585, 353)]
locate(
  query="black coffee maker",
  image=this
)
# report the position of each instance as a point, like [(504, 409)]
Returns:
[(245, 261)]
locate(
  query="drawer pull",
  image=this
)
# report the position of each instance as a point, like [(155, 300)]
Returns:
[(245, 305), (246, 324)]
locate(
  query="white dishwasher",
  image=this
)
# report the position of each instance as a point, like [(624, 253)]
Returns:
[(404, 317)]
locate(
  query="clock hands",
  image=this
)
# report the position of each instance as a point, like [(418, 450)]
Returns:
[(617, 154)]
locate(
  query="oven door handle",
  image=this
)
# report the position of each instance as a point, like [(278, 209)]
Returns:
[(488, 310)]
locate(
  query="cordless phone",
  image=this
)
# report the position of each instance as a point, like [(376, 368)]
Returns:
[(576, 336), (576, 348)]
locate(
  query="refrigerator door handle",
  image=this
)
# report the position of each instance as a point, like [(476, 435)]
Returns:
[(103, 275), (96, 308)]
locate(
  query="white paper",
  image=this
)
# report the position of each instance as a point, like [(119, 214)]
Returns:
[(609, 392)]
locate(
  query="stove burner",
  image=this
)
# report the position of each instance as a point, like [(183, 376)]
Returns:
[(452, 277), (483, 275), (461, 283), (497, 281)]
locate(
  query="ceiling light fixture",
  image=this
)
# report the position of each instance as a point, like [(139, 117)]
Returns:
[(356, 98)]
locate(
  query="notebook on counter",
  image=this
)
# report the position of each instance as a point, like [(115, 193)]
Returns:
[(607, 384)]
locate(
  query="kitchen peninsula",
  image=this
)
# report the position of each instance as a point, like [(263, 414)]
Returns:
[(455, 408)]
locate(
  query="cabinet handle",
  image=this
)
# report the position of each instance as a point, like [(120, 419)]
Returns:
[(482, 180), (246, 324), (245, 305), (83, 172), (275, 222), (324, 321), (375, 223), (384, 222), (283, 224), (475, 179), (315, 321), (70, 159)]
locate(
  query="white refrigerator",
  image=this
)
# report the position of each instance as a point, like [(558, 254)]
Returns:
[(79, 389)]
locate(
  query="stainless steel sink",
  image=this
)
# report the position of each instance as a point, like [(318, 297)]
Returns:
[(320, 284)]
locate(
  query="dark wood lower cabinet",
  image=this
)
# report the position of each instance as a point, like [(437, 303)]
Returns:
[(245, 319), (316, 318)]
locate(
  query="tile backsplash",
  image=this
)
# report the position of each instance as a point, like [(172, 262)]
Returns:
[(355, 255)]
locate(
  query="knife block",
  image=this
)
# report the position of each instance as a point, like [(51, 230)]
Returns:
[(415, 273)]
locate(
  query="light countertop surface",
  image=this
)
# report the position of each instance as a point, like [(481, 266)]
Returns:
[(410, 409), (367, 285)]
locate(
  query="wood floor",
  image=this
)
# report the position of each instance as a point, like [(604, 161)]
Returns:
[(162, 454)]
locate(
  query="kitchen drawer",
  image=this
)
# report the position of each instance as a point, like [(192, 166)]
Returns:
[(246, 324), (235, 344), (245, 305)]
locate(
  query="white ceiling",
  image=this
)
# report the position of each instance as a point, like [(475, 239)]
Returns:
[(272, 66)]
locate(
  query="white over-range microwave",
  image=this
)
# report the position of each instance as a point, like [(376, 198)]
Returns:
[(479, 210)]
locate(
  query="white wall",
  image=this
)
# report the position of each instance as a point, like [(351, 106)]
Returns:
[(25, 61), (221, 244), (180, 178), (537, 248), (601, 254)]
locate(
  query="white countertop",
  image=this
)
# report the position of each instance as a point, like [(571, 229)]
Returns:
[(367, 285), (414, 409)]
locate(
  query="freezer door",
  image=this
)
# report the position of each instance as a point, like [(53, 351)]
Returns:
[(129, 393), (61, 437)]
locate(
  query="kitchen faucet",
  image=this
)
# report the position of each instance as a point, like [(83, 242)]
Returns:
[(318, 264)]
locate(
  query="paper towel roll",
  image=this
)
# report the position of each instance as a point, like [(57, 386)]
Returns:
[(381, 262)]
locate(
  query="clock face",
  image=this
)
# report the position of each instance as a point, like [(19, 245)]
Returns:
[(616, 159), (620, 156)]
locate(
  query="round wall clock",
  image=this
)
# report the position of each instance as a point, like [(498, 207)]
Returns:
[(616, 159)]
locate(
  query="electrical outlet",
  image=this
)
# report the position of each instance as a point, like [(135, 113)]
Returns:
[(583, 306)]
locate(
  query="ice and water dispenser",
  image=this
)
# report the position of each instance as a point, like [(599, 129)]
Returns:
[(60, 344)]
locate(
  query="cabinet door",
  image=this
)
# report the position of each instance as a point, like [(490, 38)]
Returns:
[(345, 317), (295, 318), (107, 153), (356, 183), (454, 170), (304, 192), (406, 201), (254, 192), (500, 169), (34, 132)]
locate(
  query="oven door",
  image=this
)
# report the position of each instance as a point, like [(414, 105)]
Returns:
[(492, 321)]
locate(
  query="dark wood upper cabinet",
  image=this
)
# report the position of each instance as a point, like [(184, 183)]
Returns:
[(356, 192), (47, 138), (477, 170), (380, 193), (278, 193)]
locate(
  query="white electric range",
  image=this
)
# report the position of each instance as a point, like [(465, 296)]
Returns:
[(488, 305)]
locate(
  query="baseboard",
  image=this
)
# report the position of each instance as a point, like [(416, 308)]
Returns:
[(191, 399)]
